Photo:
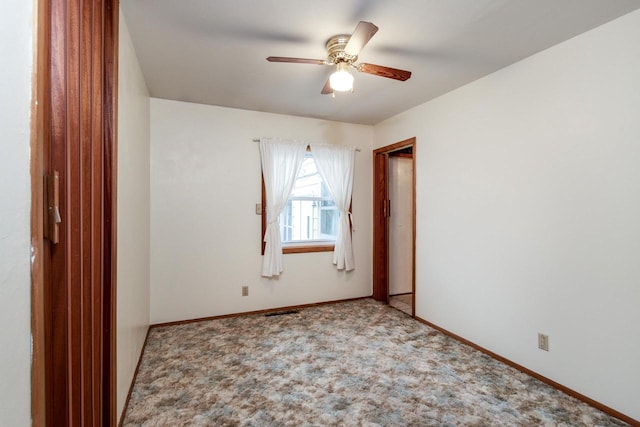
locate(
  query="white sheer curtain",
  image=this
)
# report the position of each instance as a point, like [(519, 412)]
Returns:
[(335, 164), (281, 162)]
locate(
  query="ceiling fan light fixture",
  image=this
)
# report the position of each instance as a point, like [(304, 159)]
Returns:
[(343, 51), (341, 80)]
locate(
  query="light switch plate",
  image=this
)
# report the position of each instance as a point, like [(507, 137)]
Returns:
[(258, 208)]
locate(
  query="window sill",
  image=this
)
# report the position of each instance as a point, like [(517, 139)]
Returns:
[(305, 249)]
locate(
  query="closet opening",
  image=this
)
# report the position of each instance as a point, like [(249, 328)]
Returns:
[(394, 225)]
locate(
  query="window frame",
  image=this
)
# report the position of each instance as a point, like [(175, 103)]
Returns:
[(296, 248)]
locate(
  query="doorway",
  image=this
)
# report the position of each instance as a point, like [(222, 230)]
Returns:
[(394, 225)]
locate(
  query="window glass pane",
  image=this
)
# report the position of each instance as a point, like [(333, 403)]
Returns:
[(329, 220), (310, 214), (308, 182)]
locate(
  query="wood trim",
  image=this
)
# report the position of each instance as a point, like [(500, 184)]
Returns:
[(534, 374), (39, 130), (413, 231), (306, 249), (380, 228), (380, 220), (395, 147), (250, 313), (133, 380), (263, 215), (402, 155)]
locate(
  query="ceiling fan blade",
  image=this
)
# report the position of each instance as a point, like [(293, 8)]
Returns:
[(360, 37), (296, 60), (327, 88), (379, 70)]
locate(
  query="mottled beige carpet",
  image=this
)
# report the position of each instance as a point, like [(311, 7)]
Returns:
[(356, 363)]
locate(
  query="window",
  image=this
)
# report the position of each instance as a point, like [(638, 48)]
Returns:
[(309, 220), (310, 216)]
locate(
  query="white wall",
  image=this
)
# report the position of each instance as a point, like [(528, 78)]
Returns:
[(205, 235), (528, 211), (16, 38), (133, 214)]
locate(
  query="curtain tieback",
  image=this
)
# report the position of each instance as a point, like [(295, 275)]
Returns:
[(350, 216), (270, 225)]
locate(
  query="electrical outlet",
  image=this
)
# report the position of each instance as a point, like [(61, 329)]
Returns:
[(245, 291), (543, 342)]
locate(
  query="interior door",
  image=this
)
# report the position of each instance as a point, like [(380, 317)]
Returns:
[(380, 227), (73, 314), (381, 210), (400, 225)]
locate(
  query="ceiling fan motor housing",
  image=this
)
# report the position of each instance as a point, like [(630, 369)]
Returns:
[(335, 49)]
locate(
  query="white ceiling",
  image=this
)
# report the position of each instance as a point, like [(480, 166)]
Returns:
[(213, 51)]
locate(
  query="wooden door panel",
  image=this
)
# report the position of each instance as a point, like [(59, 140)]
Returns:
[(79, 293), (380, 225)]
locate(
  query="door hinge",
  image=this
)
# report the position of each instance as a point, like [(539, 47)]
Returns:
[(386, 208), (52, 218)]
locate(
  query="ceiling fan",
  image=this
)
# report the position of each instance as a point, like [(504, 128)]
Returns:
[(342, 51)]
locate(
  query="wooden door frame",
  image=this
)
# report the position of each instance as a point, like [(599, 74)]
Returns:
[(381, 221), (39, 129), (92, 89)]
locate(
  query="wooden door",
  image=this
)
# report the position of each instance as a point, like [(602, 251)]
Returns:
[(400, 181), (380, 227), (74, 309)]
